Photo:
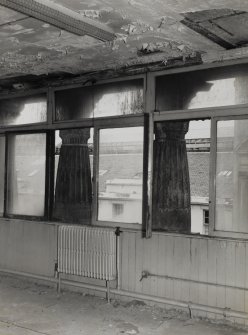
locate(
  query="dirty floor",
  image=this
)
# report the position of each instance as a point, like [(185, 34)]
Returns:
[(28, 309)]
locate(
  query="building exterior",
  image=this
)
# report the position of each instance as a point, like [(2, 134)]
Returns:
[(120, 199)]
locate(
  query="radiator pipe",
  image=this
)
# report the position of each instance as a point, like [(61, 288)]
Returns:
[(118, 277), (29, 275), (83, 285), (145, 274), (189, 306), (55, 280), (217, 310)]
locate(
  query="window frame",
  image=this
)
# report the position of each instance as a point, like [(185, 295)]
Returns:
[(4, 175), (29, 128), (47, 177), (212, 215), (26, 126), (97, 123), (205, 216), (93, 82), (146, 119), (125, 123), (215, 114), (51, 125)]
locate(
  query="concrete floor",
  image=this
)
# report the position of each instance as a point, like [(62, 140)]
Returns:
[(28, 309)]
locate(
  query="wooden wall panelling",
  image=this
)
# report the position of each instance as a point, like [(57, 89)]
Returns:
[(162, 268), (230, 273), (246, 277), (194, 270), (185, 254), (221, 272), (181, 261), (169, 283), (240, 275), (139, 262), (246, 280), (146, 282), (212, 272), (200, 259), (156, 260), (28, 247), (203, 270), (240, 272), (124, 261), (131, 261)]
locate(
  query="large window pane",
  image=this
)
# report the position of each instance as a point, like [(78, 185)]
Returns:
[(26, 174), (73, 171), (120, 175), (181, 176), (2, 165), (206, 88), (24, 110), (120, 98), (232, 176)]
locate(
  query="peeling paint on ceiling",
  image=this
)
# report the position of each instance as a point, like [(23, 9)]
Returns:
[(146, 31)]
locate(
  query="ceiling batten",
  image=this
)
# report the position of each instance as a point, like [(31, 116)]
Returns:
[(61, 17), (226, 27)]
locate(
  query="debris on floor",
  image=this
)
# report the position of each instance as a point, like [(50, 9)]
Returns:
[(27, 308)]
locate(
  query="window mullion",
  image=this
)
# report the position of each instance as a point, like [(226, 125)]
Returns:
[(95, 174), (212, 175), (50, 156), (145, 187), (150, 179), (5, 175), (50, 106)]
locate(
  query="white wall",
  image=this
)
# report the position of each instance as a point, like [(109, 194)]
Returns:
[(132, 210), (197, 218)]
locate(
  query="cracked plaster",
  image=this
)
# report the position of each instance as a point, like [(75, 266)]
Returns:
[(145, 32)]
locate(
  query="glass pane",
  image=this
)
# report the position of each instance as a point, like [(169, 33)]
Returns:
[(198, 153), (73, 171), (26, 174), (24, 110), (118, 98), (199, 89), (2, 167), (181, 176), (232, 176), (120, 175)]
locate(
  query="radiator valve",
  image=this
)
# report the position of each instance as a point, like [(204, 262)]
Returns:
[(144, 274)]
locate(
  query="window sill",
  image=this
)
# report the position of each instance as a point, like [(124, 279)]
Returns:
[(122, 225), (30, 220), (219, 236), (136, 228)]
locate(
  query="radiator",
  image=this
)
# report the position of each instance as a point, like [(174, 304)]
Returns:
[(87, 251)]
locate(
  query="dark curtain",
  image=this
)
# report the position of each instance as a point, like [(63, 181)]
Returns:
[(171, 185), (73, 193)]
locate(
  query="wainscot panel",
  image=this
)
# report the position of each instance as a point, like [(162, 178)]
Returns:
[(198, 270), (27, 246)]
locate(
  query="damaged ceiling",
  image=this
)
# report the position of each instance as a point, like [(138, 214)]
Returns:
[(144, 31)]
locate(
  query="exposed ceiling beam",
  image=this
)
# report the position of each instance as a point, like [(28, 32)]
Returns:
[(61, 17)]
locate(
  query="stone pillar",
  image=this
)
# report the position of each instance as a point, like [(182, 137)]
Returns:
[(171, 184), (73, 192)]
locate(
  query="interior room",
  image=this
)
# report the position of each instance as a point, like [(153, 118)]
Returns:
[(124, 163)]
